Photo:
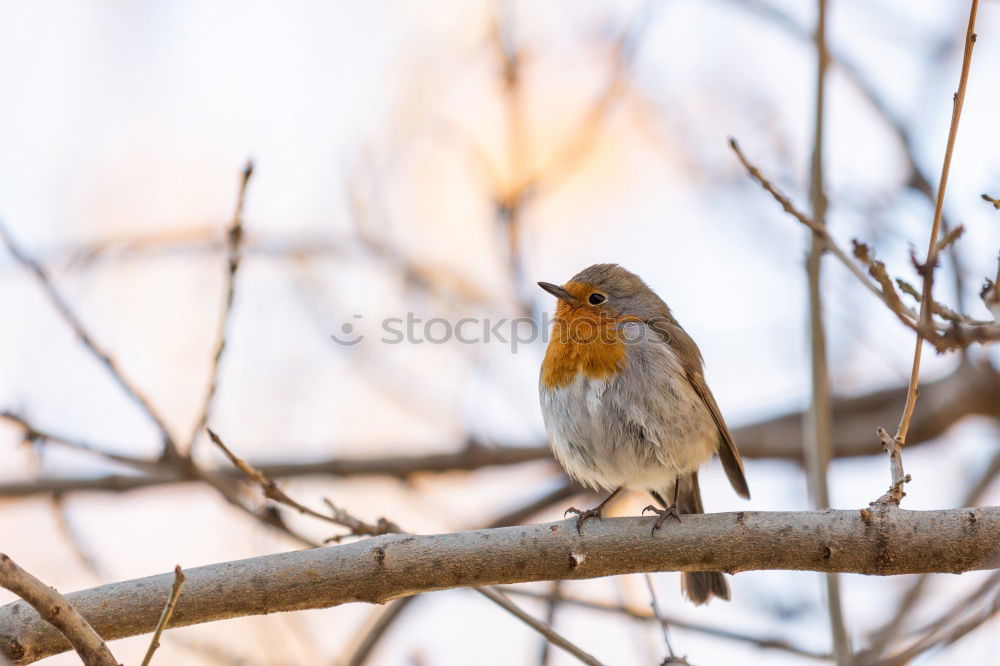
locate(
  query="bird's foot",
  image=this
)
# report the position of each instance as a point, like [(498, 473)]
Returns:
[(662, 515), (583, 515)]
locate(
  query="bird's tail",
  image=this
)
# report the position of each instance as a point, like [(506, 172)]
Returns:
[(698, 586)]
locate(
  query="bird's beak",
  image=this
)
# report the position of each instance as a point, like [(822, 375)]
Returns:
[(557, 291)]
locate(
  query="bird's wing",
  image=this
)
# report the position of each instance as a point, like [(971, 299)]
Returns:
[(690, 357)]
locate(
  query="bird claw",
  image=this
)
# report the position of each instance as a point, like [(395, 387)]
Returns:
[(582, 516), (662, 515)]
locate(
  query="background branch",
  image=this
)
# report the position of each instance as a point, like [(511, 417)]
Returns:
[(62, 306), (973, 389), (234, 250)]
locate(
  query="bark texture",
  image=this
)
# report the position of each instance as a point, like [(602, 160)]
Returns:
[(881, 541)]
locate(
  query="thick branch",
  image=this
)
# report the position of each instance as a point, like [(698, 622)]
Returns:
[(47, 607), (884, 542)]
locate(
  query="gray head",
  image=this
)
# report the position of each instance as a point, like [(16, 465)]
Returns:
[(611, 289)]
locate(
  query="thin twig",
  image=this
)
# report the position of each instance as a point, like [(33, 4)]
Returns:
[(924, 320), (956, 633), (991, 294), (892, 446), (873, 93), (75, 541), (940, 309), (234, 251), (944, 338), (831, 245), (658, 616), (970, 599), (55, 610), (183, 469), (545, 630), (642, 614), (932, 633), (378, 629), (273, 492), (168, 612), (35, 434), (551, 608), (70, 317)]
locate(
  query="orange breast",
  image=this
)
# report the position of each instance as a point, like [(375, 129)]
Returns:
[(583, 341)]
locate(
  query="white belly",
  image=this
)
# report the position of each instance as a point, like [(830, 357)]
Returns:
[(641, 428)]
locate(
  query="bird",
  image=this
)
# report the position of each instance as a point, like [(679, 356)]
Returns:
[(626, 405)]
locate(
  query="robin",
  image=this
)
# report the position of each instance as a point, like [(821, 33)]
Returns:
[(626, 405)]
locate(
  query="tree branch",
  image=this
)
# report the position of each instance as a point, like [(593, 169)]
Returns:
[(972, 390), (763, 642), (83, 335), (892, 541), (52, 613), (168, 612), (541, 627), (336, 516), (234, 251), (925, 321)]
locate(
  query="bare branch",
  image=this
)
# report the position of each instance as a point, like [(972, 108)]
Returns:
[(972, 390), (643, 614), (374, 634), (907, 316), (552, 601), (892, 446), (991, 294), (947, 629), (655, 607), (53, 613), (545, 630), (944, 338), (234, 250), (939, 309), (74, 539), (83, 335), (273, 492), (168, 611), (35, 434), (874, 94), (391, 566), (924, 319), (818, 428)]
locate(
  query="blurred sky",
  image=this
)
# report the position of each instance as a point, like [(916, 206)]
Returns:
[(132, 120)]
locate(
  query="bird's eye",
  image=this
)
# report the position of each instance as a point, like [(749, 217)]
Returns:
[(596, 299)]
